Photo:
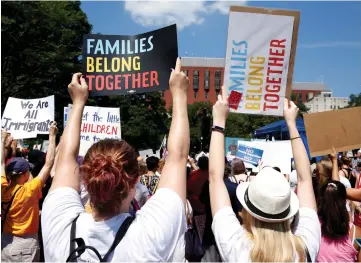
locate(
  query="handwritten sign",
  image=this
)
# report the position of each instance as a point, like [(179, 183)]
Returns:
[(260, 54), (28, 118), (97, 123), (116, 65), (249, 154)]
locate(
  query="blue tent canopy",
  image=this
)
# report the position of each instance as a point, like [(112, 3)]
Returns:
[(280, 127)]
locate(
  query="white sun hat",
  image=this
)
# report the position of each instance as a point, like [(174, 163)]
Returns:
[(268, 197)]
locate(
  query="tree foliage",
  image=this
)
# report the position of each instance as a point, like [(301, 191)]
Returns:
[(41, 48), (41, 43), (238, 125), (355, 100), (302, 107)]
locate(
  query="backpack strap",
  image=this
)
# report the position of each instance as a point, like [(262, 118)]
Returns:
[(8, 208), (119, 236), (82, 247)]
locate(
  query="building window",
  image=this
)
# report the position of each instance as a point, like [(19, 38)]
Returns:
[(195, 93), (195, 79), (206, 79), (217, 80), (218, 91), (162, 93), (206, 94)]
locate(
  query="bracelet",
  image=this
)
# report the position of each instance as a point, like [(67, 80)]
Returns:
[(298, 137), (218, 129)]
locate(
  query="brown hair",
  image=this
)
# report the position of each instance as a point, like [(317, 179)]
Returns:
[(238, 167), (161, 165), (110, 170), (345, 160), (323, 171), (142, 167)]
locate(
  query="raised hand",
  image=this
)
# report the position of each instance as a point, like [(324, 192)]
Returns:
[(221, 109), (178, 81), (53, 130), (290, 111), (333, 154), (78, 89)]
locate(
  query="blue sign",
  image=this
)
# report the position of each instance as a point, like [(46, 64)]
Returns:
[(249, 154)]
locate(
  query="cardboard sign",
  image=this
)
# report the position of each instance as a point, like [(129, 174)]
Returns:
[(98, 123), (28, 118), (249, 154), (261, 48), (338, 128), (115, 65)]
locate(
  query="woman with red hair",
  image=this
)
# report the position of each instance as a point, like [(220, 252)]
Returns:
[(110, 171)]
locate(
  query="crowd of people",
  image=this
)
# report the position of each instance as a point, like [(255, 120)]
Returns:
[(111, 205)]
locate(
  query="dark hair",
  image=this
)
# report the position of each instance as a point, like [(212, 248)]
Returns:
[(203, 163), (189, 170), (313, 160), (238, 166), (332, 210), (110, 170), (345, 160), (277, 169), (152, 163)]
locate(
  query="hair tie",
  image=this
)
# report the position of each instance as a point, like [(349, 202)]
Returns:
[(333, 184)]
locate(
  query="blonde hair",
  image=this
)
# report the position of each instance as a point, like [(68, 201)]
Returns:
[(273, 242)]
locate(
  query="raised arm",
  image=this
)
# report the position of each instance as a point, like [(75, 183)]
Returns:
[(217, 189), (5, 138), (50, 155), (67, 172), (174, 171), (333, 158), (354, 194), (305, 192)]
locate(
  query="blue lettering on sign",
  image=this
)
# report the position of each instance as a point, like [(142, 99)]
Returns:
[(249, 154)]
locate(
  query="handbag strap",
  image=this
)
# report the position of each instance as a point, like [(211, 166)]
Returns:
[(8, 208)]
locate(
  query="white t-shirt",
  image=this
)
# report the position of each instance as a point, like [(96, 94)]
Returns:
[(234, 243), (155, 235), (345, 181)]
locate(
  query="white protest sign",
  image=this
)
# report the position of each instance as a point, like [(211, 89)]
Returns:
[(146, 153), (27, 118), (260, 53), (275, 154), (45, 146), (98, 123)]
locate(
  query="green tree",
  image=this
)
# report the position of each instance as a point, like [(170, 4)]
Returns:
[(41, 45), (196, 112), (303, 108), (355, 100)]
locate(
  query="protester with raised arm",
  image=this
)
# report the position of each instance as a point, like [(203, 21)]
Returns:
[(110, 170), (20, 204), (268, 203)]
